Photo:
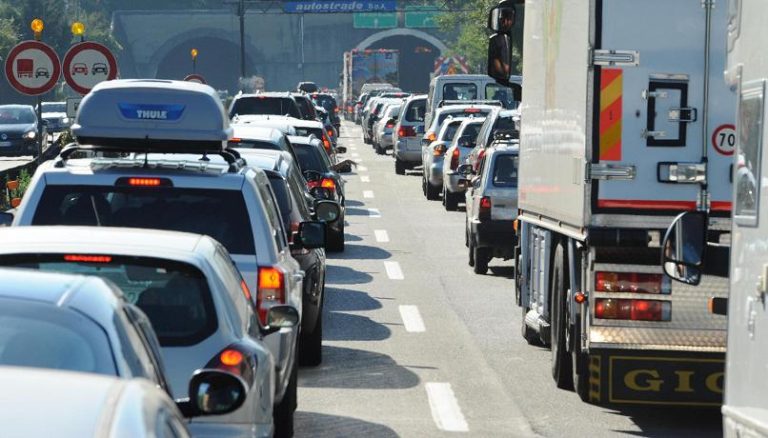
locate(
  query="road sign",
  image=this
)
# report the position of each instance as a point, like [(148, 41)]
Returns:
[(72, 104), (88, 63), (374, 20), (724, 139), (195, 78), (336, 6), (32, 68), (421, 16)]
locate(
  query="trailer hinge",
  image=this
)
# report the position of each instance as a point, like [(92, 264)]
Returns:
[(616, 57), (609, 171), (708, 4)]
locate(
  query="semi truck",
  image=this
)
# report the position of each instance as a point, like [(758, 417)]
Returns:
[(625, 122), (687, 247), (368, 66)]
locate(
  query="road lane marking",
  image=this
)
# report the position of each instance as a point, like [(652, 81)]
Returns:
[(381, 236), (445, 408), (355, 155), (352, 148), (365, 178), (362, 168), (393, 271), (374, 212), (412, 319), (368, 194)]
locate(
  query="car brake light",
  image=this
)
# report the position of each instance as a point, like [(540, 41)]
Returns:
[(472, 110), (630, 282), (137, 181), (328, 183), (235, 140), (330, 133), (455, 159), (85, 258), (390, 125), (406, 131), (327, 144), (430, 137), (635, 310), (231, 358), (485, 208), (271, 290)]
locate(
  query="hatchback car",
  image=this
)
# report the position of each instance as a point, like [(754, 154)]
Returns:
[(328, 102), (19, 130), (432, 157), (267, 103), (457, 153), (406, 136), (383, 128)]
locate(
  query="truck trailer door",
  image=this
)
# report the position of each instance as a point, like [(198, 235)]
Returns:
[(664, 123)]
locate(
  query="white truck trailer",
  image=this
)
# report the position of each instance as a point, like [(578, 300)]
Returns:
[(626, 122)]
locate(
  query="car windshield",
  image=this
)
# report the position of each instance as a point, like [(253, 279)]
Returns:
[(16, 116), (164, 208), (54, 107), (459, 91), (253, 144), (174, 295), (309, 158), (505, 171), (279, 106), (42, 335)]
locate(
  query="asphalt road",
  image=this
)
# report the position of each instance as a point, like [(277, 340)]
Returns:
[(417, 345)]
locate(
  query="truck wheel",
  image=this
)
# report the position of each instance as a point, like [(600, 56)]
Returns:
[(399, 167), (561, 360), (482, 258), (580, 365)]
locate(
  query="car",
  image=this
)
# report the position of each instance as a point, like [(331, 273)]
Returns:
[(406, 135), (382, 128), (323, 182), (291, 126), (307, 87), (197, 302), (182, 187), (306, 107), (375, 114), (455, 88), (471, 109), (432, 158), (79, 405), (265, 103), (499, 123), (328, 103), (99, 67), (247, 136), (19, 128), (42, 72), (55, 116), (79, 68), (330, 128), (457, 153), (491, 200)]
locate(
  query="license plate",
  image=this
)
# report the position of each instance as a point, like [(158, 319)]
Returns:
[(5, 143)]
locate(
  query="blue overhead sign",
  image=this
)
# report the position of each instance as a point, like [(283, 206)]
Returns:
[(326, 6)]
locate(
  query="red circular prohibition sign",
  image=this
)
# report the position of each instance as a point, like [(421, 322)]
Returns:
[(48, 51), (80, 47)]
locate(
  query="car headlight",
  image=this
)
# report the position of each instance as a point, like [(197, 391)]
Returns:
[(30, 135)]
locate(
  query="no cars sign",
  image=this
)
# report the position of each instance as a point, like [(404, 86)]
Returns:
[(88, 63), (32, 68)]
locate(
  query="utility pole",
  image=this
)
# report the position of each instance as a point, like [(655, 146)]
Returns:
[(241, 13)]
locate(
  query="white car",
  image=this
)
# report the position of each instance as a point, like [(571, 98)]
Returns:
[(456, 155), (432, 157), (204, 314), (383, 128)]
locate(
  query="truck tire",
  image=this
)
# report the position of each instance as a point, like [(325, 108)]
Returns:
[(561, 360), (399, 167)]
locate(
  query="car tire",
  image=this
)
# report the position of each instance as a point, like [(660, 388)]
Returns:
[(399, 167), (482, 258), (336, 241), (466, 232), (424, 186), (471, 258), (450, 200), (561, 360), (433, 193), (283, 412), (311, 344)]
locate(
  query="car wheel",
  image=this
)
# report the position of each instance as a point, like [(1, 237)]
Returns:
[(336, 241), (311, 345), (481, 260), (424, 186), (399, 167), (561, 360), (283, 412), (450, 200), (466, 232), (433, 193), (471, 252)]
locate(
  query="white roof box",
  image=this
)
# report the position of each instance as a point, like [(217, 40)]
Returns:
[(145, 115)]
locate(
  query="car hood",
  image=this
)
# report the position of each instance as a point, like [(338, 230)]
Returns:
[(17, 129)]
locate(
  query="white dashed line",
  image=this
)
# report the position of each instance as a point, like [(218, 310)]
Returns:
[(393, 271), (365, 178), (381, 236), (412, 319), (352, 148), (374, 212), (368, 194), (362, 169), (445, 408), (355, 154)]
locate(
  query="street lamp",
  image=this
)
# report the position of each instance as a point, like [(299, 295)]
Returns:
[(78, 30)]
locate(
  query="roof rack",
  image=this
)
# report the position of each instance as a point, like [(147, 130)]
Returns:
[(469, 102)]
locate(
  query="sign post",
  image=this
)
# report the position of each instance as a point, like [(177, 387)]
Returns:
[(88, 63)]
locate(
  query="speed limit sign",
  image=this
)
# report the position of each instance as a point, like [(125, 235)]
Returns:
[(724, 139)]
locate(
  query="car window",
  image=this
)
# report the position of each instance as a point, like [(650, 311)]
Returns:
[(450, 131), (306, 132), (416, 111), (501, 93), (141, 350), (41, 335), (309, 158), (459, 91), (393, 111), (265, 105), (280, 188), (505, 171), (273, 214), (174, 209), (174, 295), (306, 108), (471, 130)]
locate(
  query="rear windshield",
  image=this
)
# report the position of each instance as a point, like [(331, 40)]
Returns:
[(325, 101), (164, 208), (306, 132), (471, 130), (416, 111), (450, 130), (41, 335), (279, 106), (305, 106), (505, 171), (174, 295), (502, 94), (309, 158), (54, 107), (254, 144), (458, 91)]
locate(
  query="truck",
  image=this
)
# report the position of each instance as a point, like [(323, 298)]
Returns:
[(687, 246), (625, 123), (367, 66)]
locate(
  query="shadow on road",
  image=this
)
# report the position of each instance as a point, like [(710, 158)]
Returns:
[(312, 424), (351, 211), (339, 326), (344, 275), (345, 300), (362, 252), (353, 203), (502, 271), (359, 369), (665, 422)]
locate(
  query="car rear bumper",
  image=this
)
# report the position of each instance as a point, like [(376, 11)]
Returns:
[(435, 172), (451, 179), (499, 235), (408, 150)]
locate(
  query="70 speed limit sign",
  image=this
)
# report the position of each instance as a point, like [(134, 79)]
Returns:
[(724, 139)]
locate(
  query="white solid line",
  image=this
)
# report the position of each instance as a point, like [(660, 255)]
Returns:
[(445, 408), (374, 212), (365, 178), (412, 319), (381, 236), (362, 169), (368, 194), (393, 271)]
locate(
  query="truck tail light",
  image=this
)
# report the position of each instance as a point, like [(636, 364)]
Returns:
[(630, 282), (271, 290), (455, 159), (634, 310), (485, 208), (406, 131)]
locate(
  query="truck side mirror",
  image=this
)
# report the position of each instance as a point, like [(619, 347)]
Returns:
[(500, 20), (683, 247)]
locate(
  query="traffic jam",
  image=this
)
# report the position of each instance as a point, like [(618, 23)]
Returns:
[(564, 242)]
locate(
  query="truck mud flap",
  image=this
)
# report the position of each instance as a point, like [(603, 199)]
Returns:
[(655, 378)]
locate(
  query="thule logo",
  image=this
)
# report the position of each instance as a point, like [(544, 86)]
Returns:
[(164, 112), (152, 114)]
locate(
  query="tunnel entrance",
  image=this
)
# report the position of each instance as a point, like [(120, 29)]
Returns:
[(417, 60)]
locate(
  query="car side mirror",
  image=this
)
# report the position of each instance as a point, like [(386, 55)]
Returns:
[(341, 149), (6, 219), (684, 246), (213, 392), (311, 235), (327, 211), (465, 169), (279, 317)]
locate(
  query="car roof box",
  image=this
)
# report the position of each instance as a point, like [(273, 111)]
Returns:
[(142, 115)]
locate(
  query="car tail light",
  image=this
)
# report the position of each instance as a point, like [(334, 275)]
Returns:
[(271, 290), (439, 150), (406, 131), (430, 137), (635, 310), (328, 183), (455, 159), (327, 144), (87, 258), (234, 359), (630, 282), (485, 208), (330, 133), (231, 358), (137, 181), (336, 110), (390, 125), (472, 110)]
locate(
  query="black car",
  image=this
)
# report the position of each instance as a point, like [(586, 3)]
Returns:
[(277, 104), (306, 107), (329, 104), (19, 130)]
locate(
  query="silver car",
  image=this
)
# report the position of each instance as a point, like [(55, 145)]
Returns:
[(432, 157), (457, 153), (383, 128), (406, 137)]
